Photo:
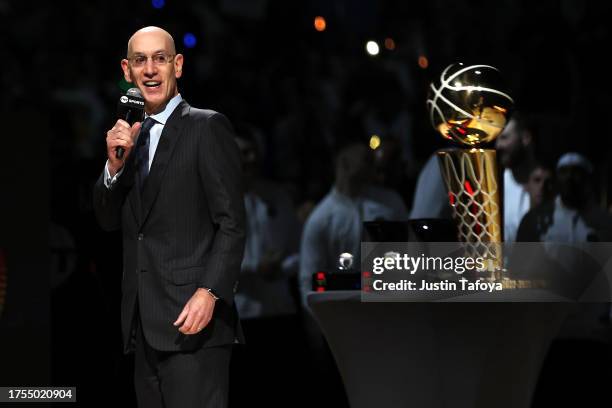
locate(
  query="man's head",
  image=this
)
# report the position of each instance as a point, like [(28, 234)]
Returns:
[(388, 163), (515, 142), (153, 65), (249, 152), (574, 174), (540, 184), (354, 169)]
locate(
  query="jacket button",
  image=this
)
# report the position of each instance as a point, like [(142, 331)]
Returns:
[(140, 237)]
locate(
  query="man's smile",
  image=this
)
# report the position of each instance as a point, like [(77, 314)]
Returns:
[(152, 84)]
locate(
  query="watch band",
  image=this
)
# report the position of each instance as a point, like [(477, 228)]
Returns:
[(212, 293)]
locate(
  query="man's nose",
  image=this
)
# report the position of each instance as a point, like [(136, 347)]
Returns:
[(150, 68)]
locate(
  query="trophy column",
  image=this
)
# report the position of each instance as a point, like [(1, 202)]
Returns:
[(473, 192)]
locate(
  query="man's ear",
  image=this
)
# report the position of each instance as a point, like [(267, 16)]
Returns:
[(125, 66), (178, 65)]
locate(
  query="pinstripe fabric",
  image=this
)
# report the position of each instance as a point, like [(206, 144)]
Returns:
[(181, 379), (184, 231)]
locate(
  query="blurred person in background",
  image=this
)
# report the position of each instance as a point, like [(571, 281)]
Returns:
[(580, 357), (265, 297), (391, 170), (430, 195), (335, 225), (516, 153), (540, 185), (272, 237), (573, 216)]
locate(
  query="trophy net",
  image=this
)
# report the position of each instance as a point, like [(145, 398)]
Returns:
[(471, 181)]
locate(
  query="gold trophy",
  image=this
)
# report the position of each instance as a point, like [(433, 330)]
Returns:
[(470, 105)]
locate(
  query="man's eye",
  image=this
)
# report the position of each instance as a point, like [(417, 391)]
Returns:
[(159, 58), (140, 59)]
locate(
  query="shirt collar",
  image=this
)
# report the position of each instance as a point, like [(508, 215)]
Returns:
[(163, 116)]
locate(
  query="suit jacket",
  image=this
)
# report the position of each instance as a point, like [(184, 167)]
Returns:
[(185, 230)]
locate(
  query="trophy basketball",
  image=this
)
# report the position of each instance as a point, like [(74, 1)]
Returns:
[(469, 105)]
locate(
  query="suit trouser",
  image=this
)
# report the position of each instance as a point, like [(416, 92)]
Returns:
[(181, 379)]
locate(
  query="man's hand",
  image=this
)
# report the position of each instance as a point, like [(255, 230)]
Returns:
[(197, 312), (121, 135)]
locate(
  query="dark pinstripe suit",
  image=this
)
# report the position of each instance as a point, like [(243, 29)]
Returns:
[(186, 230)]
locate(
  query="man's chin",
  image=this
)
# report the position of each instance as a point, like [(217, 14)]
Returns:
[(153, 106)]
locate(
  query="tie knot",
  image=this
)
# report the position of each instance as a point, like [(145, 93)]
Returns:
[(147, 124)]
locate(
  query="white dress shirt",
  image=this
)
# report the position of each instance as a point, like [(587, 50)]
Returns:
[(516, 204)]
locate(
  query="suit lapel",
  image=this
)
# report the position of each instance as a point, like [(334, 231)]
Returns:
[(170, 135), (129, 177)]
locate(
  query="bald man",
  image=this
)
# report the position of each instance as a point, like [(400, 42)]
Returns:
[(177, 196)]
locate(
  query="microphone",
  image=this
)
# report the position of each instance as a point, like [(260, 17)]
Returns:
[(130, 109)]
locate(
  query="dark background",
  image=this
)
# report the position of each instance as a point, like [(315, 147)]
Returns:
[(261, 63)]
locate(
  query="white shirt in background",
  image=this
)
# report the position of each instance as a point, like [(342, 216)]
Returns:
[(516, 204)]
